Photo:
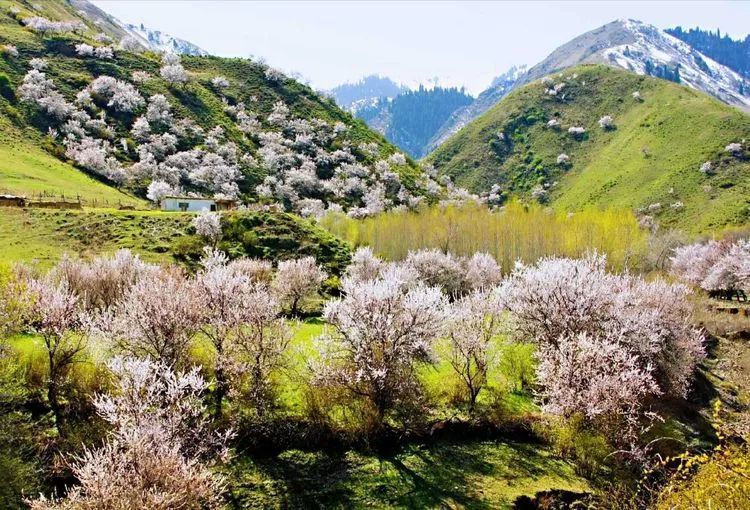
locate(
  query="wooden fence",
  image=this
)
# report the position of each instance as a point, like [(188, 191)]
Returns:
[(51, 200)]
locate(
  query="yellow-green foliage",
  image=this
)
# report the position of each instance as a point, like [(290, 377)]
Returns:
[(720, 479), (518, 232)]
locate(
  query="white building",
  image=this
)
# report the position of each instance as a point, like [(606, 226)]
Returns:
[(196, 204)]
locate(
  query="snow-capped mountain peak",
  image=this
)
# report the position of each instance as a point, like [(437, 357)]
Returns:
[(651, 47), (159, 41)]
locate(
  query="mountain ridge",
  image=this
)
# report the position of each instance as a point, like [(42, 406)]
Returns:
[(626, 44)]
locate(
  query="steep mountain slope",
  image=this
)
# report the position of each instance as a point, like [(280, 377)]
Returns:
[(626, 44), (632, 45), (499, 87), (651, 155), (235, 126), (411, 119)]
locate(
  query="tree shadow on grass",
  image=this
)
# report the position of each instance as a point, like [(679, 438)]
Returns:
[(293, 479), (471, 474), (460, 473)]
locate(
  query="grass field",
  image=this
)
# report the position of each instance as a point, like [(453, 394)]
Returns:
[(43, 236), (27, 170)]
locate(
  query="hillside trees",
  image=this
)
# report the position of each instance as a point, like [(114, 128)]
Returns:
[(719, 267), (242, 320), (474, 323), (157, 318), (310, 165), (296, 280)]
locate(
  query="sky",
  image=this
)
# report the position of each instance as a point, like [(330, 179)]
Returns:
[(457, 43)]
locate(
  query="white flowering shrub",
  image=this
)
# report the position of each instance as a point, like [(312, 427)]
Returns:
[(577, 131), (606, 122), (172, 71), (119, 95), (45, 26), (714, 266), (84, 50), (220, 82), (39, 64), (643, 327), (540, 194), (208, 225), (158, 190), (159, 450), (274, 74), (158, 317), (102, 282), (11, 50), (140, 76), (296, 280), (734, 148), (93, 155), (38, 89), (473, 324)]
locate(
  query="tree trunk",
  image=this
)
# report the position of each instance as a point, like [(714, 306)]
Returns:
[(54, 404), (221, 391), (294, 311)]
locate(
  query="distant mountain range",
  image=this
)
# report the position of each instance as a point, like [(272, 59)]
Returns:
[(631, 45), (371, 88), (411, 118), (698, 59), (499, 87)]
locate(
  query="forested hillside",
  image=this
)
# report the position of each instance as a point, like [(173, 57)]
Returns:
[(735, 54), (412, 118)]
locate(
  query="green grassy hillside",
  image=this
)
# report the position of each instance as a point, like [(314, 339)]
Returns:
[(653, 155), (27, 169), (43, 236), (31, 161)]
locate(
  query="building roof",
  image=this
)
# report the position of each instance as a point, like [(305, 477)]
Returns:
[(209, 199)]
